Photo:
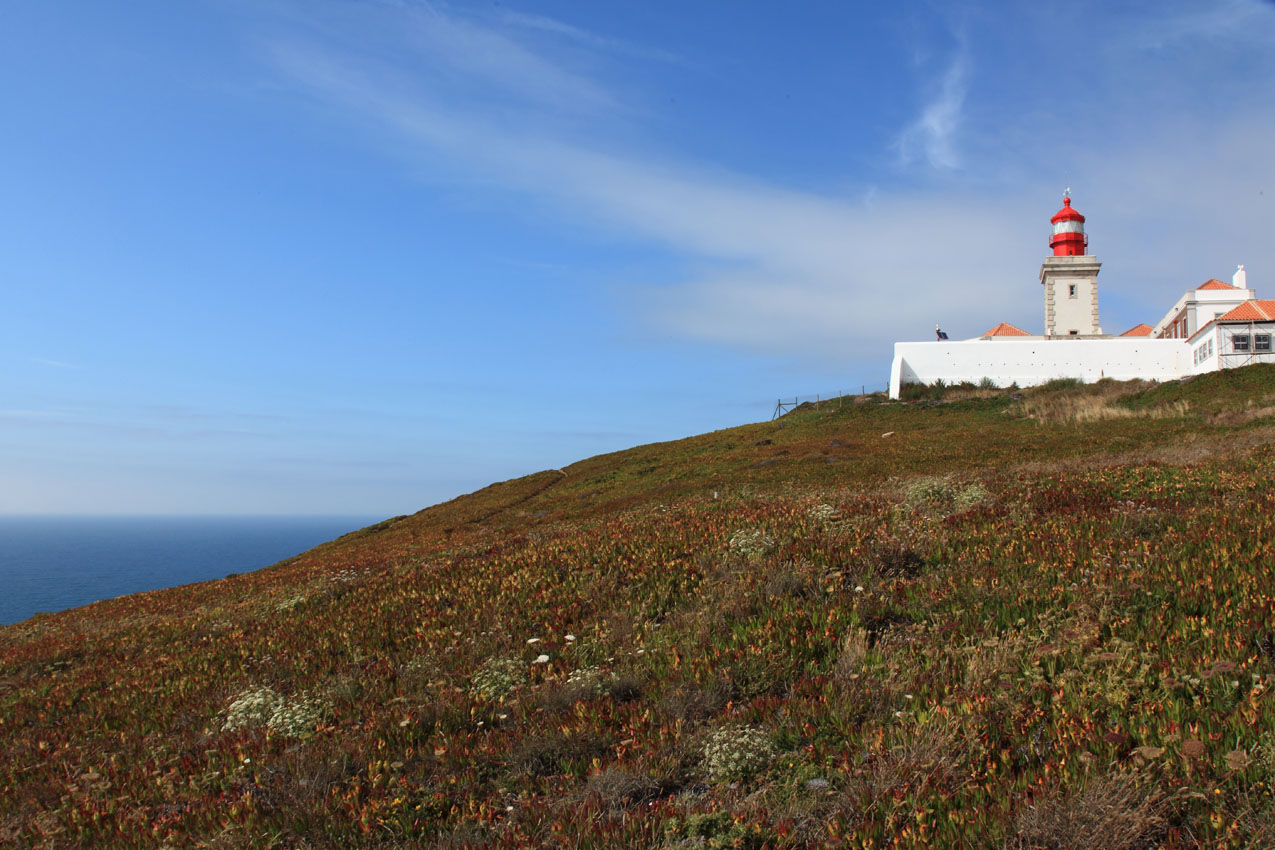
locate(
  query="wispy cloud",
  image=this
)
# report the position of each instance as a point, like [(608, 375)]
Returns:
[(58, 364), (771, 268), (1167, 26), (553, 26), (492, 57), (766, 267), (932, 135)]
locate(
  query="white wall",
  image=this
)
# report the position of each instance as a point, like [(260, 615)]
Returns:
[(1035, 361)]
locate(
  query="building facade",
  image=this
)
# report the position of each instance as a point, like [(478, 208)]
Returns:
[(1213, 326)]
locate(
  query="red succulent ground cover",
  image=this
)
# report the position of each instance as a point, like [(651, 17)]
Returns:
[(994, 628)]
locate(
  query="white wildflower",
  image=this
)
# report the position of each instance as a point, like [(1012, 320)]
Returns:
[(751, 543), (736, 753), (296, 717), (251, 707), (288, 603), (822, 512), (589, 681), (264, 707)]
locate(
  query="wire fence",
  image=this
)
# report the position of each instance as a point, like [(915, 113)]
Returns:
[(836, 399)]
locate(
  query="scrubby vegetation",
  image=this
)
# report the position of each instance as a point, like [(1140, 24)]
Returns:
[(959, 622)]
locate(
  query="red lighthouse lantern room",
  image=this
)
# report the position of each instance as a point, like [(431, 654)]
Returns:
[(1068, 239)]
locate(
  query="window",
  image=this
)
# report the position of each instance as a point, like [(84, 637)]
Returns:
[(1239, 342), (1071, 290), (1262, 342), (1073, 333)]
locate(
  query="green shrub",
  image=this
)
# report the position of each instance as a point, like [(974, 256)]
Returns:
[(715, 831), (737, 753), (498, 677), (940, 495)]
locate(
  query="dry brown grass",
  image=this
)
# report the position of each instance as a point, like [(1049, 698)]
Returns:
[(932, 757), (854, 651), (1094, 403), (1243, 415), (964, 393), (1119, 811)]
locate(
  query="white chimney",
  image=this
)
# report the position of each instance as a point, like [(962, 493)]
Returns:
[(1240, 280)]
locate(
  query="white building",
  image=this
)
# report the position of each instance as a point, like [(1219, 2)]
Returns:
[(1214, 326)]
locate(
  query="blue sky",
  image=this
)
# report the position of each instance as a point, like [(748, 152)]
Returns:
[(360, 257)]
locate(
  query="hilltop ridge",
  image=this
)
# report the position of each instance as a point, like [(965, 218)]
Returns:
[(978, 618)]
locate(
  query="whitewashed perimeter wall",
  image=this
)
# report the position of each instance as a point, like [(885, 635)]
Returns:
[(1035, 361)]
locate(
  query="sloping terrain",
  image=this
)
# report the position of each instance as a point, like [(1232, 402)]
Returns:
[(982, 620)]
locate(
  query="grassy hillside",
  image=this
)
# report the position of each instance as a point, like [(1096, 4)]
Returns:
[(981, 620)]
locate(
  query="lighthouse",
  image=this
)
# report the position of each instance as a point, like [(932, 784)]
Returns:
[(1068, 238), (1070, 278)]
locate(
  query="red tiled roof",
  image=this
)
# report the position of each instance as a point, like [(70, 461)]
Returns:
[(1251, 311), (1214, 283), (1138, 330), (1006, 329)]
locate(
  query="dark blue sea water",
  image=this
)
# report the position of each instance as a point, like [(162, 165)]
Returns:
[(51, 563)]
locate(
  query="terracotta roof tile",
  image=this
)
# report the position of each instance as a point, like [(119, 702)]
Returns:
[(1251, 311), (1006, 329), (1214, 283), (1138, 330)]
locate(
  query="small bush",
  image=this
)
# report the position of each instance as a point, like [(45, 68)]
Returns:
[(939, 495), (550, 755), (923, 392), (619, 789), (586, 683), (624, 688), (737, 753), (791, 582), (714, 831), (896, 560), (691, 701), (497, 678), (1057, 384)]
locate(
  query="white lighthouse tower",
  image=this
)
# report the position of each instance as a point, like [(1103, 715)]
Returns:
[(1070, 278)]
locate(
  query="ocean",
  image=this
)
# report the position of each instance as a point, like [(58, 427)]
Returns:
[(53, 563)]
